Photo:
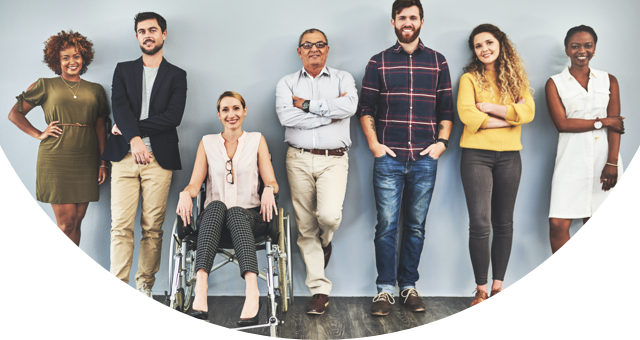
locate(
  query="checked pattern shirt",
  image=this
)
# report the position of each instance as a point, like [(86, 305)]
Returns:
[(408, 94)]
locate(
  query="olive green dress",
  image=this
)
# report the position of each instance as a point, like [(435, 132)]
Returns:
[(67, 168)]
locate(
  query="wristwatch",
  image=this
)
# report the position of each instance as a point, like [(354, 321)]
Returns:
[(305, 105), (597, 124), (444, 141)]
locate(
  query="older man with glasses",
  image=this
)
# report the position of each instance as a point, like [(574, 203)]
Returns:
[(314, 105)]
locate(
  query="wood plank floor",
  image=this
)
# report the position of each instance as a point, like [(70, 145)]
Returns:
[(345, 317)]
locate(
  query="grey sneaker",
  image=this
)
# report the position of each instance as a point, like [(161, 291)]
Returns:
[(146, 291)]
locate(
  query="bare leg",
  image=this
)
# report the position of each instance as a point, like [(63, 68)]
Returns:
[(67, 220), (558, 232), (482, 288), (497, 285), (202, 286), (81, 210), (252, 296)]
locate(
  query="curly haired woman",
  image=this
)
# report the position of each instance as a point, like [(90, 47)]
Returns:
[(68, 168), (493, 102)]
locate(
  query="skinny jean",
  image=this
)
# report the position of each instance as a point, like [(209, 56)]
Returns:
[(490, 180)]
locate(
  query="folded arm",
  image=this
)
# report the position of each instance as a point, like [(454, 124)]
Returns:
[(291, 116)]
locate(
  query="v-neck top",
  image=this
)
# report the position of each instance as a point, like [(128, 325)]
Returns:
[(244, 190)]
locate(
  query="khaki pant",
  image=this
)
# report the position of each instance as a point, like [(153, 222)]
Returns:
[(128, 180), (318, 184)]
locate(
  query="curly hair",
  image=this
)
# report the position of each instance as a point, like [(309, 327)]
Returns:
[(63, 40), (511, 77)]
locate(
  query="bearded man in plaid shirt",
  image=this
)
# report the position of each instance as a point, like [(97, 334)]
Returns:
[(406, 112)]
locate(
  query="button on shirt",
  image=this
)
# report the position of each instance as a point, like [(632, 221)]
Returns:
[(315, 129), (408, 94)]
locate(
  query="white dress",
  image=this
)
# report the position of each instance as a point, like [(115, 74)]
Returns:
[(576, 191)]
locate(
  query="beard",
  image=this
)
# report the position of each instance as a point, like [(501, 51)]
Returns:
[(153, 51), (409, 39)]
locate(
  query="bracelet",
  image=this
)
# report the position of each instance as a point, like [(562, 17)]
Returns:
[(104, 166), (616, 165), (270, 186)]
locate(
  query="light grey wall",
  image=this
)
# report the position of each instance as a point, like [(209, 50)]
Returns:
[(247, 46)]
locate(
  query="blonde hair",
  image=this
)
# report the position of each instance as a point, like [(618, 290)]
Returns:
[(512, 80), (233, 95)]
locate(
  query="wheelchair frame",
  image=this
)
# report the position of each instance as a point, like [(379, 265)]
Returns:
[(182, 273)]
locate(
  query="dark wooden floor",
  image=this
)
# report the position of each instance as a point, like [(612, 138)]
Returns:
[(345, 317)]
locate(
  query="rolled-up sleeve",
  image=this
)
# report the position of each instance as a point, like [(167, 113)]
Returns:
[(370, 92), (444, 98)]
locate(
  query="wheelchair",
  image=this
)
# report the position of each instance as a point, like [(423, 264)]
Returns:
[(278, 275)]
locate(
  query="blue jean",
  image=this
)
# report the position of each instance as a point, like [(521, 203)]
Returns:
[(393, 179)]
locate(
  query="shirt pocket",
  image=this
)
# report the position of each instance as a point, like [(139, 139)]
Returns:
[(573, 101)]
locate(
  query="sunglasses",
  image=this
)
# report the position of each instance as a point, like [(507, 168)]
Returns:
[(307, 45), (229, 167)]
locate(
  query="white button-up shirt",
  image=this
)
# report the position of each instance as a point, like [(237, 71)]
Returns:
[(315, 129)]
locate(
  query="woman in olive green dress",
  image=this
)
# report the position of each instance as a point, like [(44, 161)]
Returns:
[(68, 168)]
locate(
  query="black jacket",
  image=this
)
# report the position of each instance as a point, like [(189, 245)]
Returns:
[(166, 106)]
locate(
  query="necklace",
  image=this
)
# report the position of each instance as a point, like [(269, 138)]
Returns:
[(70, 87)]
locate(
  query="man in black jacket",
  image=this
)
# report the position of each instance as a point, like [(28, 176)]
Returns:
[(148, 99)]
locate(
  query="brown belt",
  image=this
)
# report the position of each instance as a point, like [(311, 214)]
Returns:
[(326, 152), (76, 124)]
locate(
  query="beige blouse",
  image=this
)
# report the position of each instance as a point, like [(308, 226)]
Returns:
[(244, 192)]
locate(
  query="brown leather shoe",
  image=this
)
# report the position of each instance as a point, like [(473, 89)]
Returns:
[(411, 299), (480, 296), (495, 291), (327, 254), (382, 304), (317, 304)]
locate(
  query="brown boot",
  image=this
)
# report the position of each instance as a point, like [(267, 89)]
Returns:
[(480, 296), (317, 304), (411, 299), (495, 291)]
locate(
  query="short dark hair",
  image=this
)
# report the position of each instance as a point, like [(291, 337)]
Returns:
[(581, 28), (311, 30), (399, 5), (142, 16)]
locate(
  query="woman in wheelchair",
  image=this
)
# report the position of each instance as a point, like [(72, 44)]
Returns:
[(231, 162)]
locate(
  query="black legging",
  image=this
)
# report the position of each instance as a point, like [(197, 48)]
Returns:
[(490, 180), (238, 224)]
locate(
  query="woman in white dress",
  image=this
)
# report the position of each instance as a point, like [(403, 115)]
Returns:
[(584, 105)]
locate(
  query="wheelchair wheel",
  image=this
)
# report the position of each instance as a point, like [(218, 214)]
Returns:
[(181, 269), (284, 263)]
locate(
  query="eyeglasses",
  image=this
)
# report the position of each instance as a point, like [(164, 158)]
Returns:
[(229, 167), (307, 45)]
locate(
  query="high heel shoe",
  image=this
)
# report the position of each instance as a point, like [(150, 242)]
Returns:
[(250, 321), (198, 314)]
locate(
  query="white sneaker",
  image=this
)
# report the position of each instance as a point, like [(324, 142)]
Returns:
[(146, 291)]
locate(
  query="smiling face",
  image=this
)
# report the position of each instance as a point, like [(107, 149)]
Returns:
[(487, 49), (231, 113), (407, 24), (70, 63), (581, 48), (150, 36), (315, 57)]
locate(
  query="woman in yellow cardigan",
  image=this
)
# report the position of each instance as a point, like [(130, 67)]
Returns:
[(493, 101)]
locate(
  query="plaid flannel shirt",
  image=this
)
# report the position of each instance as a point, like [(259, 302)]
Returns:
[(408, 95)]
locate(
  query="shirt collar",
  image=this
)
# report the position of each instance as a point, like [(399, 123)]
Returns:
[(325, 70), (397, 47), (566, 75)]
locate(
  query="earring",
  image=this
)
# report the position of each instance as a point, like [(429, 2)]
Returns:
[(594, 55), (567, 56)]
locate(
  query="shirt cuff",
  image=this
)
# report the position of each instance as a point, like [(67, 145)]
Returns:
[(484, 123), (314, 107), (511, 114)]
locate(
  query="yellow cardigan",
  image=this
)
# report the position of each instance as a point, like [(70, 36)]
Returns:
[(475, 134)]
